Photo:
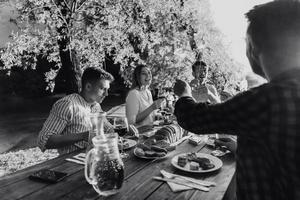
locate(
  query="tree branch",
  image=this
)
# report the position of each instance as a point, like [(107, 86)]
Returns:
[(61, 15), (78, 9), (67, 5)]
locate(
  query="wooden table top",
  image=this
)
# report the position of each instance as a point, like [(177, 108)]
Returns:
[(138, 183)]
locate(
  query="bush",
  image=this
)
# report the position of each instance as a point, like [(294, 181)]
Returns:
[(28, 82)]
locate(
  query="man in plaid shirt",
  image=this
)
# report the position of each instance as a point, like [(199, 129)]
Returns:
[(266, 118)]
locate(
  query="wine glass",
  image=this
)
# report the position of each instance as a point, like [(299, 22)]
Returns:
[(162, 95), (120, 124)]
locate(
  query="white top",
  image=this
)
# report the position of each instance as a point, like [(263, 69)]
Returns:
[(136, 102)]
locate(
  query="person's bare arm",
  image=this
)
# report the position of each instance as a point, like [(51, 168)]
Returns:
[(58, 141), (142, 115)]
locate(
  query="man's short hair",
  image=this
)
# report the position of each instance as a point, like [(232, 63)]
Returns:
[(198, 64), (271, 23), (93, 74)]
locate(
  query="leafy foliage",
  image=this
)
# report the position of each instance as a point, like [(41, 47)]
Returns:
[(166, 35)]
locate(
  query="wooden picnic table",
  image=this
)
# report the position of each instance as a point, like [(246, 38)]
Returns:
[(138, 182)]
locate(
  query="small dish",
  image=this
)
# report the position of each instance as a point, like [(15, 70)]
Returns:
[(129, 143), (147, 157), (214, 160)]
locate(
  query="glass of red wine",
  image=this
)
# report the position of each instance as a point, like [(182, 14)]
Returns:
[(120, 124)]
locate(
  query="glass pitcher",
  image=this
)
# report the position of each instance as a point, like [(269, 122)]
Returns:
[(104, 169), (95, 127), (96, 122)]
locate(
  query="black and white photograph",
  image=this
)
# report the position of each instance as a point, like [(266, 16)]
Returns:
[(149, 99)]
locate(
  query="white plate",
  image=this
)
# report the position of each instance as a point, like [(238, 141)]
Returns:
[(214, 160), (146, 157), (131, 143)]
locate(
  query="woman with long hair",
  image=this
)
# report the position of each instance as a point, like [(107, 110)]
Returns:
[(140, 106)]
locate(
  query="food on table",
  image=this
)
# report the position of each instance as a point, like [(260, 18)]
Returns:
[(158, 149), (150, 141), (171, 148), (170, 133), (154, 154), (204, 163), (144, 150), (145, 128), (162, 143), (150, 154), (144, 147), (158, 145), (139, 152), (160, 154), (194, 166), (195, 140), (125, 144), (182, 161)]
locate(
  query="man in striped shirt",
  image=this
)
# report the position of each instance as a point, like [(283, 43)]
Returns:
[(265, 118), (67, 127)]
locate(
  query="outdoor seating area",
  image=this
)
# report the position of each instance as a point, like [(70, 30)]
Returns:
[(149, 99)]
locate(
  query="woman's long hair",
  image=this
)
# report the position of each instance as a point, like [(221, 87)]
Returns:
[(136, 77)]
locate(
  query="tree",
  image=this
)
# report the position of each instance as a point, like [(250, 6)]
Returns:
[(167, 35)]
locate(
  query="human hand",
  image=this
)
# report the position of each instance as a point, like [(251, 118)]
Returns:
[(227, 142), (182, 88), (158, 103)]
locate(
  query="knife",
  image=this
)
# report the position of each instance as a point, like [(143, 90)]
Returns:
[(196, 181), (181, 182)]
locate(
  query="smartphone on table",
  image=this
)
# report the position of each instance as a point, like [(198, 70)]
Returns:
[(48, 176)]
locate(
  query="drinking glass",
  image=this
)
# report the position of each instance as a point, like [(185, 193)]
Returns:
[(120, 124)]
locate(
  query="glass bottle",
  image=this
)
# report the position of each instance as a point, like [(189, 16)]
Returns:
[(104, 169)]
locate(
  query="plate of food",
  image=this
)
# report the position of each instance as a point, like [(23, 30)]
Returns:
[(149, 154), (153, 148), (128, 143), (196, 162)]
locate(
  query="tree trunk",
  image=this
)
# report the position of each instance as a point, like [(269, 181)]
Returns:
[(69, 76)]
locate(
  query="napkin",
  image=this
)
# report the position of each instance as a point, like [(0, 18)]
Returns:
[(174, 187)]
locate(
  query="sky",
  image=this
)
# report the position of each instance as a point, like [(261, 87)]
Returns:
[(5, 26), (229, 16)]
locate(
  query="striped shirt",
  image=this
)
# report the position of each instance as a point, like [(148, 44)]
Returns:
[(267, 121), (69, 115)]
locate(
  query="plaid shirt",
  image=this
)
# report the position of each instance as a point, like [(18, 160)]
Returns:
[(267, 121), (69, 115)]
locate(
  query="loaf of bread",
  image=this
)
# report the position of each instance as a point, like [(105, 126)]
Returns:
[(170, 133)]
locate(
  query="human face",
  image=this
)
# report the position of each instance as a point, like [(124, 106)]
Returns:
[(252, 57), (99, 90), (146, 76), (200, 73)]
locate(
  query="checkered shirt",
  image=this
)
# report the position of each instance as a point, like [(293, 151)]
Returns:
[(267, 122)]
